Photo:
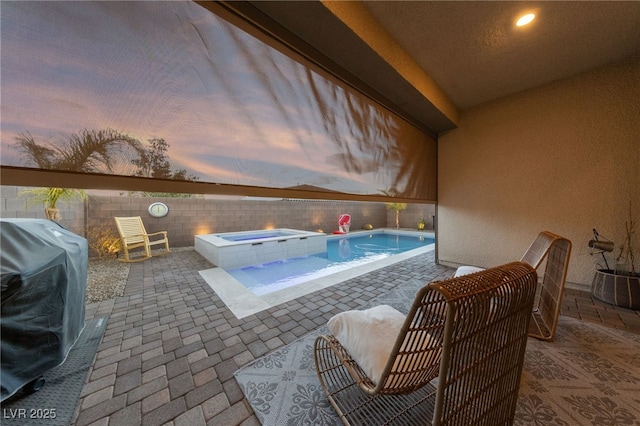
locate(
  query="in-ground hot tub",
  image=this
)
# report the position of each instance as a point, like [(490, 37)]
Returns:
[(238, 249)]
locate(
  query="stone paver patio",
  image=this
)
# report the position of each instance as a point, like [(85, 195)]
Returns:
[(171, 346)]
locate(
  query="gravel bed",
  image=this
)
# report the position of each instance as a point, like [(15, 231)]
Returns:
[(106, 279)]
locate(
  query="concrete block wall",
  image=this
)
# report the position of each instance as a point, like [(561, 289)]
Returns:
[(189, 217), (12, 205), (410, 216)]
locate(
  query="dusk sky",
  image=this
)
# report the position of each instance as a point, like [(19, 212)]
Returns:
[(232, 109)]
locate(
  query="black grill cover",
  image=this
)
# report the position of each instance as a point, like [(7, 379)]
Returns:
[(43, 282)]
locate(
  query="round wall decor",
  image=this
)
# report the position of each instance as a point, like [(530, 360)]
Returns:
[(158, 210)]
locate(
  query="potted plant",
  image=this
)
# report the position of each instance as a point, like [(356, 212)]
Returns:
[(421, 224), (620, 285), (398, 207), (50, 197)]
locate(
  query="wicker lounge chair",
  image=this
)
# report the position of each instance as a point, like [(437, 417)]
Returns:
[(546, 310), (133, 235), (470, 332)]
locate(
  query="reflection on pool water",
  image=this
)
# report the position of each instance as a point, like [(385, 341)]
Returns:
[(343, 252)]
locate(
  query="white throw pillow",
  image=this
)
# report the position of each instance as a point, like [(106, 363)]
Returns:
[(368, 336)]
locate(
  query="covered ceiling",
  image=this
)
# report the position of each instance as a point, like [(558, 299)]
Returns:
[(433, 59)]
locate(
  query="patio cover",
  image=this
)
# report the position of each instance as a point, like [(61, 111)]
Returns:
[(43, 276)]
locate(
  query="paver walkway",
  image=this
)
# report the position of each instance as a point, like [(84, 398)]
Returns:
[(171, 346)]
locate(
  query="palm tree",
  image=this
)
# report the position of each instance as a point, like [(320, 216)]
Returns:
[(88, 151), (397, 207), (50, 197)]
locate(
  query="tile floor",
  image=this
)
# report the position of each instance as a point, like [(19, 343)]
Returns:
[(171, 346)]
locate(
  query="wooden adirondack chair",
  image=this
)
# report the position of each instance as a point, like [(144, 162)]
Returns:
[(133, 236)]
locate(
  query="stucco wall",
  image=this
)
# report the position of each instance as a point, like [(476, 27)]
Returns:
[(564, 158)]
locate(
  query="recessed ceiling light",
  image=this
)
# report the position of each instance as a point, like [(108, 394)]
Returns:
[(525, 19)]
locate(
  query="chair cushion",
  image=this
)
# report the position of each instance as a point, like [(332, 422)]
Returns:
[(368, 336), (466, 270)]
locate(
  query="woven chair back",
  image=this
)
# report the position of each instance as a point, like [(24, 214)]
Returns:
[(484, 345), (470, 332)]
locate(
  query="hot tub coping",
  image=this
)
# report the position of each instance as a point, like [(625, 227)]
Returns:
[(236, 254), (221, 242)]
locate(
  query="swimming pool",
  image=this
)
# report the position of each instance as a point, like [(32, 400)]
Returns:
[(343, 252), (242, 302)]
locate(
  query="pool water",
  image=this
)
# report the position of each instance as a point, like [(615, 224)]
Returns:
[(342, 253)]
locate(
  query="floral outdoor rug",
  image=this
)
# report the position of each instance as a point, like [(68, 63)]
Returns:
[(589, 375)]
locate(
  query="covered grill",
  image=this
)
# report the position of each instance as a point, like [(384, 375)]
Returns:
[(43, 270)]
